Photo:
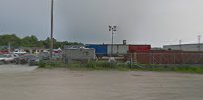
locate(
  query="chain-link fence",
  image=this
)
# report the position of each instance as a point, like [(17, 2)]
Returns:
[(166, 58)]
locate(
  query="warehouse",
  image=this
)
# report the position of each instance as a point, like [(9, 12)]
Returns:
[(185, 47)]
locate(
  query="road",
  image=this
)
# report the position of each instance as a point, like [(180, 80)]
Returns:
[(62, 84)]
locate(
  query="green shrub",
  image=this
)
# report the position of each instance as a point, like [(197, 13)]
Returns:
[(42, 64)]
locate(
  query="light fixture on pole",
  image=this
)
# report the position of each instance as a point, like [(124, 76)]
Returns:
[(113, 29)]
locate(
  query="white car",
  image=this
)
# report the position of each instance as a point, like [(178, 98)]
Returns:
[(2, 57), (8, 57), (19, 51)]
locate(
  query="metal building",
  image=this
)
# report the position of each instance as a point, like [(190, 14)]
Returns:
[(185, 47)]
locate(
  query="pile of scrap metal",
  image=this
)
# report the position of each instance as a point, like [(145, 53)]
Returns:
[(77, 53)]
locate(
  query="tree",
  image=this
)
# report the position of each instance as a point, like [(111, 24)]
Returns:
[(12, 39), (32, 41), (29, 41), (46, 42)]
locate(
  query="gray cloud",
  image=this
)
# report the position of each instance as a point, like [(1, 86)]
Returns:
[(155, 22)]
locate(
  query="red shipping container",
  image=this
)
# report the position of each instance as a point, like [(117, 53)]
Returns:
[(139, 48)]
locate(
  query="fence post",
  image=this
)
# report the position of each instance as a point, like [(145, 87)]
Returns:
[(152, 58), (174, 58), (131, 59)]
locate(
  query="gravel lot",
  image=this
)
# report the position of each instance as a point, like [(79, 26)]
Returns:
[(62, 84), (11, 68)]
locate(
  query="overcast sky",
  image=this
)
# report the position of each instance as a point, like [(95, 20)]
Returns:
[(155, 22)]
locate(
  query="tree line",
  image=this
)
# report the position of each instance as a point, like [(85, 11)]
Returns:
[(31, 41)]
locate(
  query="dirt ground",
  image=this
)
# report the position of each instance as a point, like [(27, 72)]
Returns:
[(62, 84), (12, 68)]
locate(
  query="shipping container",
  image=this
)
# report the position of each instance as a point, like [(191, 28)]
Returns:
[(73, 46), (138, 48), (100, 49), (118, 49)]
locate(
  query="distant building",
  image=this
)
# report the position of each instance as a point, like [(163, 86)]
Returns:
[(34, 50), (185, 47), (157, 48)]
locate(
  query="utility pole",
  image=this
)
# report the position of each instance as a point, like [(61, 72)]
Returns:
[(52, 28)]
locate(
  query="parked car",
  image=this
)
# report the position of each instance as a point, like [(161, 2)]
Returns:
[(34, 60), (20, 52), (28, 59), (8, 58), (2, 57), (44, 56)]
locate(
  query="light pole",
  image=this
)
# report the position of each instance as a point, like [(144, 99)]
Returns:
[(52, 28), (112, 29)]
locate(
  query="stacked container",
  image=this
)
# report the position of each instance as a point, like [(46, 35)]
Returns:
[(100, 49), (139, 48)]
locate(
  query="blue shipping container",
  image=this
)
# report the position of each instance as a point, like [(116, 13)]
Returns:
[(100, 49)]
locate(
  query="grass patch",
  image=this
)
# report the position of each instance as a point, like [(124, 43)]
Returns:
[(173, 68), (50, 65), (85, 66), (99, 65)]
